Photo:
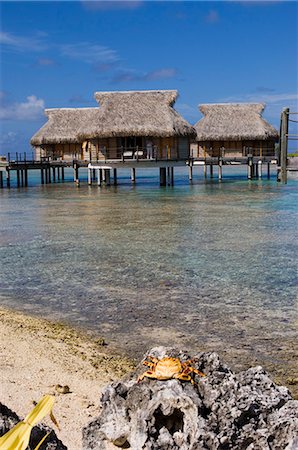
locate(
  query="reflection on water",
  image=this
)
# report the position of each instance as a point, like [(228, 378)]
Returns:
[(205, 266)]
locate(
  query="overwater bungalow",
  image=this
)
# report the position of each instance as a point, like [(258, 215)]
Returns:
[(130, 125), (234, 130)]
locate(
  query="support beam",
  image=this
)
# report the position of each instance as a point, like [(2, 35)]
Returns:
[(249, 168), (26, 177), (76, 174), (284, 144), (169, 175), (133, 174), (115, 177), (172, 176), (62, 171), (211, 170), (268, 170), (18, 178), (8, 178), (205, 170), (89, 177), (1, 179), (108, 177), (98, 177), (260, 169), (42, 176), (162, 176), (190, 172), (220, 169)]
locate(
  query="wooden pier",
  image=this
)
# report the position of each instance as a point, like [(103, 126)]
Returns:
[(50, 171), (102, 172), (105, 173)]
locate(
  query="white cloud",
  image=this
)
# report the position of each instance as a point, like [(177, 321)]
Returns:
[(274, 103), (21, 43), (128, 75), (8, 138), (263, 98), (30, 110), (89, 53)]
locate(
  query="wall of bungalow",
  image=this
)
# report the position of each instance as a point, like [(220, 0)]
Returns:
[(261, 148), (163, 148)]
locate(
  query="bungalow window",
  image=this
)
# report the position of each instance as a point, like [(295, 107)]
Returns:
[(130, 145)]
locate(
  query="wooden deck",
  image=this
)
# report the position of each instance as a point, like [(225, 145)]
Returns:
[(100, 171)]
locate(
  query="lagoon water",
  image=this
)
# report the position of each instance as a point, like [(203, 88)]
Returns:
[(206, 266)]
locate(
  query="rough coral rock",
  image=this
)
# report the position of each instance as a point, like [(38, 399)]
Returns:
[(9, 419), (222, 411)]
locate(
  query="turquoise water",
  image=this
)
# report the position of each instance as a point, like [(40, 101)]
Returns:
[(211, 265)]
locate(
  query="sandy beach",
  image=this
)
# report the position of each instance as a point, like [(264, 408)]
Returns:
[(37, 355)]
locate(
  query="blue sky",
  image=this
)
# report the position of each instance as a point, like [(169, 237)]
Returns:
[(57, 54)]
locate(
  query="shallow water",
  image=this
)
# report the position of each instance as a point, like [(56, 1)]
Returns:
[(211, 265)]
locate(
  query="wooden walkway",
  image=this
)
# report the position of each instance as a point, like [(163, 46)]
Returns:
[(100, 171)]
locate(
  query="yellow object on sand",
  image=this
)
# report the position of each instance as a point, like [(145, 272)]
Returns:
[(18, 437)]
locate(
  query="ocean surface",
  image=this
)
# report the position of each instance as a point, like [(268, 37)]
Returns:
[(204, 266)]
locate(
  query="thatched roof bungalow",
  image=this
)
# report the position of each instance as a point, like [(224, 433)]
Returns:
[(140, 124), (234, 129)]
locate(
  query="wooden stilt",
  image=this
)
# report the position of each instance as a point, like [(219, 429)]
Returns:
[(115, 176), (41, 176), (1, 179), (205, 170), (8, 178), (26, 177), (90, 177), (58, 173), (220, 169), (249, 168), (18, 178), (190, 173), (54, 174), (133, 175), (284, 145), (49, 175), (108, 177), (172, 176), (22, 177), (103, 173), (268, 170), (169, 176), (62, 173), (260, 169), (211, 170), (93, 174), (162, 176)]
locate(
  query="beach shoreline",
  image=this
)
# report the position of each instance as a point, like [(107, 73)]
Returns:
[(38, 356)]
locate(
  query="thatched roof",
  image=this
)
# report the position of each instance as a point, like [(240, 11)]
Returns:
[(64, 125), (234, 122), (129, 113)]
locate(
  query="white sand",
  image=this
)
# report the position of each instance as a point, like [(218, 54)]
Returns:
[(36, 355)]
